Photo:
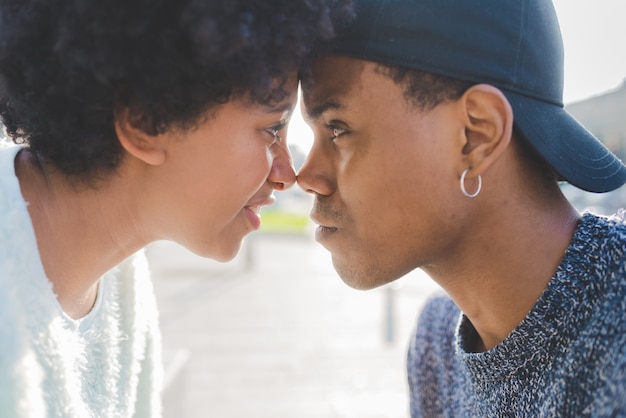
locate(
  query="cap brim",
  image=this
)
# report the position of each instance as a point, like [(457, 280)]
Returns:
[(572, 151)]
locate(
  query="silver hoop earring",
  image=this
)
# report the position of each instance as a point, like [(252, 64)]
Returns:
[(464, 191)]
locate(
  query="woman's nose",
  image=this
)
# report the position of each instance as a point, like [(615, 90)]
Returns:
[(282, 175)]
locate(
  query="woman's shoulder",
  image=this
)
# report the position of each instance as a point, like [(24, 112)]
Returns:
[(9, 184), (130, 287)]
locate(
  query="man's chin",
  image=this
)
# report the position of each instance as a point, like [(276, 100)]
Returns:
[(362, 276), (356, 278)]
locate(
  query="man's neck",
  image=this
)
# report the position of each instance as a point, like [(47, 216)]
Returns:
[(508, 266)]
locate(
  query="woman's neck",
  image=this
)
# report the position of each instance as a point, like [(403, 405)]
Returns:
[(81, 232)]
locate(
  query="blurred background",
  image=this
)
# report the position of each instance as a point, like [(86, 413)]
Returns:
[(275, 333)]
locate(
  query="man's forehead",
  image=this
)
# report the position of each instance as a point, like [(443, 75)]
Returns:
[(332, 77), (333, 70)]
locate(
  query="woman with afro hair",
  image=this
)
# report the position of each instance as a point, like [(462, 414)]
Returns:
[(132, 121)]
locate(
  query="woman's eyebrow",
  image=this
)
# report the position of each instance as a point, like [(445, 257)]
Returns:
[(280, 108)]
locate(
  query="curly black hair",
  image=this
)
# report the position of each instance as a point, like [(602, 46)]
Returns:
[(66, 66)]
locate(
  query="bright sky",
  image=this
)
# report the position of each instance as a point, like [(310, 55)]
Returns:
[(594, 38)]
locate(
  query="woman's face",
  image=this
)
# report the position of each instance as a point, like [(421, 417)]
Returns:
[(208, 192)]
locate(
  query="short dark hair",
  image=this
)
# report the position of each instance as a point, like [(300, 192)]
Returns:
[(426, 90), (66, 66), (423, 89)]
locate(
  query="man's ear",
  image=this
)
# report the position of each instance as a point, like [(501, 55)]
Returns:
[(145, 147), (488, 127)]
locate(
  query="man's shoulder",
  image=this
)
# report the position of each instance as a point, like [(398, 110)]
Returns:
[(608, 230), (440, 310), (599, 247), (437, 322), (613, 250)]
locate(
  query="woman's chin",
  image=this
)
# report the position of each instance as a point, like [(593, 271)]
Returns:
[(224, 252)]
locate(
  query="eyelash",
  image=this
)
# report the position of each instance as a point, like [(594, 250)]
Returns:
[(336, 131), (274, 130)]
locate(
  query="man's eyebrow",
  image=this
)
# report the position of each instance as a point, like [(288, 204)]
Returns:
[(318, 110)]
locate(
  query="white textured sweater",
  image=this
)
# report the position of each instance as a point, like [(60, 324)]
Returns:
[(106, 365)]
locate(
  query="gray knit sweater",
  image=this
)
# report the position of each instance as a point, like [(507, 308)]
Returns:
[(567, 358)]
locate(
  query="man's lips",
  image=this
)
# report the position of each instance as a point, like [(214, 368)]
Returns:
[(323, 233), (324, 227)]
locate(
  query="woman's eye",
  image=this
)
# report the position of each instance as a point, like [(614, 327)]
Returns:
[(275, 135), (274, 131)]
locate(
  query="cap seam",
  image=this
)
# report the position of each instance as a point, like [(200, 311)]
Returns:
[(522, 26)]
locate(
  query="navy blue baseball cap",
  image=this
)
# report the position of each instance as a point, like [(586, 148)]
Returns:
[(514, 45)]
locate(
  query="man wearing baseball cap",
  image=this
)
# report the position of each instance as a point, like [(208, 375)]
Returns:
[(440, 140)]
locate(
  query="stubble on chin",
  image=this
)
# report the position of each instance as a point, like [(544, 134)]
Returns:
[(352, 274)]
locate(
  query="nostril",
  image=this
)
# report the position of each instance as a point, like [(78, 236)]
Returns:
[(279, 186)]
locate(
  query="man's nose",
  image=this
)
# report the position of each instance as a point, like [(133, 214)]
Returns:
[(315, 175)]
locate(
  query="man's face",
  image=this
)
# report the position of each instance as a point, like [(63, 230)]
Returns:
[(383, 172)]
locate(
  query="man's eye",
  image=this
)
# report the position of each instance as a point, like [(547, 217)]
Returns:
[(336, 131)]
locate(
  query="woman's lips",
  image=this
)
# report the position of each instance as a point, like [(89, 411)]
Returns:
[(253, 215), (253, 210)]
